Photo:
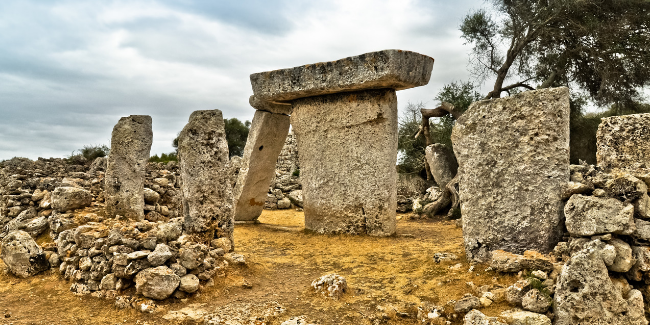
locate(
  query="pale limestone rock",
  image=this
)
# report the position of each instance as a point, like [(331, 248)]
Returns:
[(476, 317), (22, 256), (157, 283), (330, 285), (642, 231), (206, 190), (265, 140), (348, 152), (151, 196), (525, 318), (536, 301), (513, 156), (70, 198), (585, 294), (588, 216), (503, 261), (624, 259), (125, 169), (189, 283), (623, 141), (388, 69), (442, 162)]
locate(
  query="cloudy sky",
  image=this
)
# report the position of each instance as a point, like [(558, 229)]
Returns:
[(70, 69)]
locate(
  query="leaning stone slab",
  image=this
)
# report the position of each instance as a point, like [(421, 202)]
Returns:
[(125, 170), (513, 156), (206, 190), (388, 69), (265, 141), (348, 152), (590, 215), (624, 142)]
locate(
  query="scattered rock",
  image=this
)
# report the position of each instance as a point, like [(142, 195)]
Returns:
[(157, 283), (22, 256), (331, 285)]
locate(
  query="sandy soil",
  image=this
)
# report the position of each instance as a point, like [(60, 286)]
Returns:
[(388, 278)]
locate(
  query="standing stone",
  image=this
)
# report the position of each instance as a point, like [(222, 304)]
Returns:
[(624, 141), (206, 189), (513, 156), (125, 170), (344, 116), (265, 140), (348, 153)]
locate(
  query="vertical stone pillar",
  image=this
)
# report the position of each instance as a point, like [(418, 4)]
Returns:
[(265, 140), (513, 160), (125, 169), (206, 190), (345, 121)]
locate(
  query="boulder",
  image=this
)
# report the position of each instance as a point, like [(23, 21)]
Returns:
[(476, 317), (642, 231), (206, 189), (585, 294), (296, 198), (125, 169), (624, 259), (284, 203), (467, 303), (588, 216), (536, 301), (157, 283), (189, 283), (330, 285), (513, 158), (525, 318), (70, 198), (622, 141), (22, 256), (150, 196), (160, 255)]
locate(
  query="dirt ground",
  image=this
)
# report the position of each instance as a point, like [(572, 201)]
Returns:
[(388, 278)]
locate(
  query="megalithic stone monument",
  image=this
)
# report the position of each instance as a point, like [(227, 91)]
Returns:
[(125, 169), (206, 189), (513, 160), (265, 140), (344, 116)]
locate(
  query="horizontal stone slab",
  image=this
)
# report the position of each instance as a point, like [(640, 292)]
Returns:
[(274, 108), (393, 69)]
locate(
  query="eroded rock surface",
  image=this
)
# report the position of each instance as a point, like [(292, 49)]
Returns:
[(588, 216), (513, 156), (125, 170), (624, 141), (22, 255), (206, 189)]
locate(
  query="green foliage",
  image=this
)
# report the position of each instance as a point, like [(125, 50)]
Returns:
[(296, 173), (411, 158), (598, 46), (88, 154), (236, 135), (164, 158), (585, 125)]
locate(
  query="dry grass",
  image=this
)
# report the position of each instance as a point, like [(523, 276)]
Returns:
[(396, 272)]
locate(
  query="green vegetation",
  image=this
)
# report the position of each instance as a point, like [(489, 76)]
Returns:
[(595, 46), (236, 135), (88, 154), (164, 158), (411, 160), (296, 173)]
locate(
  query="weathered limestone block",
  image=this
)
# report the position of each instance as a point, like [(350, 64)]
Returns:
[(206, 190), (589, 215), (70, 198), (157, 283), (624, 141), (265, 140), (125, 170), (344, 116), (513, 156), (348, 152), (585, 294), (388, 69), (22, 256)]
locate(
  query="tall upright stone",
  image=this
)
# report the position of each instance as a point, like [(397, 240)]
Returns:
[(204, 165), (265, 141), (344, 116), (125, 170), (624, 142), (513, 157)]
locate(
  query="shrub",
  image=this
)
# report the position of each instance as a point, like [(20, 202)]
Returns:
[(164, 158)]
